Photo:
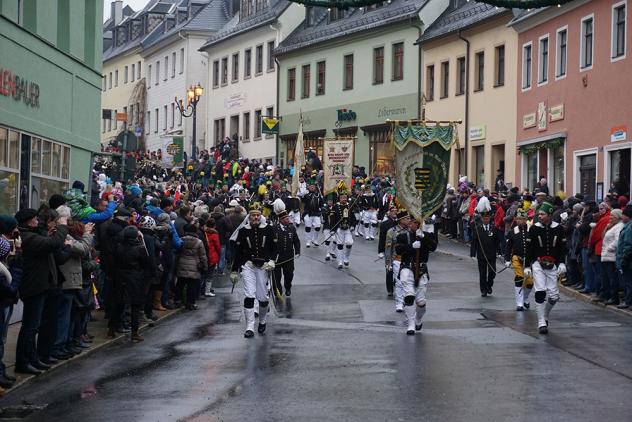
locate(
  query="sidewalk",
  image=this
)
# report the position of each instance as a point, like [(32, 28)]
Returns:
[(461, 250), (97, 328)]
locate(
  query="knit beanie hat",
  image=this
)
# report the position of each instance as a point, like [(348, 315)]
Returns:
[(56, 201), (147, 222), (7, 224), (163, 218)]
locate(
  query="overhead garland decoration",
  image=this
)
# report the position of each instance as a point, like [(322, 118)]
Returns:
[(507, 4)]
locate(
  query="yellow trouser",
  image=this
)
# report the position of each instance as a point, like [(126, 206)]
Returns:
[(517, 264)]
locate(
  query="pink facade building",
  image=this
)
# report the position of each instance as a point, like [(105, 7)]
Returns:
[(574, 115)]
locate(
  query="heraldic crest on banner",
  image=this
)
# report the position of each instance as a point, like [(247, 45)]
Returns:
[(422, 162)]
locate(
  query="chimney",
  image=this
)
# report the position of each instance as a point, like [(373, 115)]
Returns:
[(116, 11)]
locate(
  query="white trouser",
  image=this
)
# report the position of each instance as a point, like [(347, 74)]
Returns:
[(415, 311), (256, 286), (522, 295), (359, 230), (545, 281), (295, 218), (344, 240), (369, 220), (399, 288), (312, 228), (330, 241)]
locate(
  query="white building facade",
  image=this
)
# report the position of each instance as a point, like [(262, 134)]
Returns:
[(242, 75)]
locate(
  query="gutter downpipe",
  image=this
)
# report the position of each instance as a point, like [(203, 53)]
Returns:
[(419, 66), (277, 102), (466, 121)]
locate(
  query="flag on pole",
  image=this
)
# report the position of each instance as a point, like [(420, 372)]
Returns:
[(299, 156)]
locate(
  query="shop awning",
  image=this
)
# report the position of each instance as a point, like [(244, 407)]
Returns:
[(346, 131), (550, 141), (311, 134)]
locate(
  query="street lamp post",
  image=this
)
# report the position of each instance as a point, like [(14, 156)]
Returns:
[(193, 97)]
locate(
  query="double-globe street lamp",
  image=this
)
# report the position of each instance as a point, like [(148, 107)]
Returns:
[(193, 97)]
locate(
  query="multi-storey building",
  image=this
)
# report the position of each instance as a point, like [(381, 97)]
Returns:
[(573, 108), (49, 97), (347, 72), (173, 63), (123, 82), (243, 75), (470, 62)]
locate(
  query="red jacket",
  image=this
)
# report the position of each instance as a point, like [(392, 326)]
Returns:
[(212, 239), (596, 236)]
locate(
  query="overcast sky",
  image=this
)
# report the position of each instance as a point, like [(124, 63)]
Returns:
[(134, 4)]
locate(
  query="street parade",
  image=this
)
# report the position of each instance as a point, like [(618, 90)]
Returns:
[(328, 210)]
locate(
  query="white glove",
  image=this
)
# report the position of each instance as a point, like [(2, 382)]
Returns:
[(297, 255), (380, 255), (269, 265), (564, 216), (428, 228), (234, 277), (416, 244), (419, 233), (507, 264), (527, 272), (561, 269)]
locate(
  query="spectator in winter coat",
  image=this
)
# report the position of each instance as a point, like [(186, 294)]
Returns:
[(191, 264), (214, 250), (624, 256), (153, 272), (10, 278), (595, 243), (40, 274), (611, 277), (130, 284)]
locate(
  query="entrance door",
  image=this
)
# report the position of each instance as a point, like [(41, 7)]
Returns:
[(620, 171), (588, 175)]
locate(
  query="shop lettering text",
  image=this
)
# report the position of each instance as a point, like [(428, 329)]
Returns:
[(387, 112), (11, 85), (345, 115)]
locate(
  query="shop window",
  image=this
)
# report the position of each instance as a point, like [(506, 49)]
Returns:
[(50, 169), (620, 171), (479, 165), (36, 155), (557, 167)]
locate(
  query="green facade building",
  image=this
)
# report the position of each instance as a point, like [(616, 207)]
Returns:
[(50, 97)]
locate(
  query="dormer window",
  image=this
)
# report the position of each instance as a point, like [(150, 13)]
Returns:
[(252, 7), (336, 14), (310, 16)]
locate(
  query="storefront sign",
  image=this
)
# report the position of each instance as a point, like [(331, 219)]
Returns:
[(270, 125), (121, 117), (337, 163), (386, 112), (11, 85), (556, 113), (542, 116), (478, 132), (618, 133), (235, 100), (345, 115), (528, 120)]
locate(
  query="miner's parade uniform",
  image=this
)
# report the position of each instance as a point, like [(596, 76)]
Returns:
[(255, 249), (486, 243), (313, 202), (515, 255), (327, 213), (343, 221), (389, 222), (293, 204), (288, 247), (546, 249), (369, 204), (414, 246), (392, 259)]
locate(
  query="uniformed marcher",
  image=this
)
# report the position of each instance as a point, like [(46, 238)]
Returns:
[(515, 254), (255, 249), (392, 259), (369, 204), (343, 220), (313, 202), (328, 222), (414, 246), (389, 222), (546, 250), (288, 246), (485, 242)]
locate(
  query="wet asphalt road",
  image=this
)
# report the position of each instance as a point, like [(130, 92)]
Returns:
[(338, 351)]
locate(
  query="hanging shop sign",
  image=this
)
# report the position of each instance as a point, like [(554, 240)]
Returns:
[(12, 85), (528, 120), (345, 115), (618, 133), (556, 113), (478, 133), (270, 125)]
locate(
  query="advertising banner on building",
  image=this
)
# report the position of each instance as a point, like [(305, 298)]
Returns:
[(270, 125), (422, 162), (337, 163), (172, 151)]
